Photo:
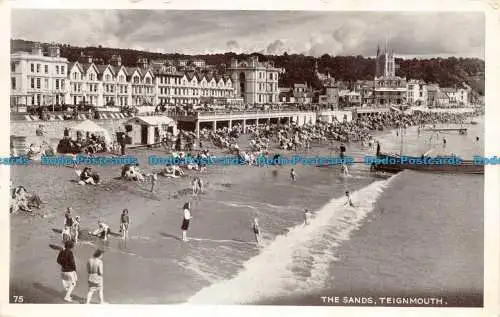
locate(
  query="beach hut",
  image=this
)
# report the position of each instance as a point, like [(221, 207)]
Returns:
[(93, 128), (149, 129)]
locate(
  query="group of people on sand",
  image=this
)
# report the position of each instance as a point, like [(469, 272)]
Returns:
[(87, 176), (66, 259), (23, 200)]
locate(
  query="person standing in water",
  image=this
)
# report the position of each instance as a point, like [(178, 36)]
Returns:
[(124, 223), (307, 216), (293, 176), (75, 230), (96, 272), (69, 278), (185, 221), (348, 201), (256, 230)]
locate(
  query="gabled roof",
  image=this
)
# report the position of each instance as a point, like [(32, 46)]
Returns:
[(77, 64), (441, 95)]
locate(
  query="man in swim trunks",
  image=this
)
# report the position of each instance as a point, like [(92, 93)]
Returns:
[(292, 175), (96, 272)]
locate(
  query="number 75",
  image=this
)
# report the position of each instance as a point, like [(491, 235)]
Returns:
[(18, 299)]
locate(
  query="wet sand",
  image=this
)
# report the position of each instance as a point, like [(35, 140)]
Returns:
[(158, 265)]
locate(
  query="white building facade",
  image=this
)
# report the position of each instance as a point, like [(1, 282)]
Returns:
[(44, 79), (416, 92), (256, 82), (38, 79)]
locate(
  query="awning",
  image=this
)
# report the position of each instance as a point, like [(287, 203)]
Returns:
[(92, 127), (152, 120)]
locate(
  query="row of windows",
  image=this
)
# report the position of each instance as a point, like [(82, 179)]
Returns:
[(181, 81), (272, 76), (194, 92), (267, 98), (36, 83), (60, 70), (270, 87)]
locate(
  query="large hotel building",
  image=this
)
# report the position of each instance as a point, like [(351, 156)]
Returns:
[(46, 78)]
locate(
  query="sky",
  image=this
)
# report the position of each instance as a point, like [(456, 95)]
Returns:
[(313, 33)]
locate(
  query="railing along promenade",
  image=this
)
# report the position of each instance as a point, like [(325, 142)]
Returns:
[(234, 115)]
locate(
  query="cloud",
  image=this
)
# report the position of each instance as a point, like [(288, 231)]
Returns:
[(276, 48), (314, 33), (233, 46)]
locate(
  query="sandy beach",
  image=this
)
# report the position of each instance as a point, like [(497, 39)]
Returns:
[(341, 252)]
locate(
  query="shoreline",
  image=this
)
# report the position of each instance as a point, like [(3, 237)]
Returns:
[(183, 279)]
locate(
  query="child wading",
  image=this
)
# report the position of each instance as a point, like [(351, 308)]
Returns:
[(293, 177), (307, 216), (348, 201), (185, 221), (124, 223)]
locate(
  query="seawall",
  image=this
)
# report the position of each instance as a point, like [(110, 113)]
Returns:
[(54, 129)]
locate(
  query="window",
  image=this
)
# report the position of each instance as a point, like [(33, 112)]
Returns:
[(37, 68), (57, 69), (46, 83), (62, 70), (38, 83), (46, 69), (62, 84), (12, 67), (57, 83), (33, 83), (92, 76), (75, 76), (13, 82), (108, 77), (32, 67)]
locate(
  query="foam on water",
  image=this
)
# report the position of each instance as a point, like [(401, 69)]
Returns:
[(297, 261)]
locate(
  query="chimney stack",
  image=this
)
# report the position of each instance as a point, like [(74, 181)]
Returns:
[(54, 51), (37, 49)]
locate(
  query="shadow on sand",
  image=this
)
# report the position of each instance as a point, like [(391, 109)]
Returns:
[(171, 236), (58, 294)]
